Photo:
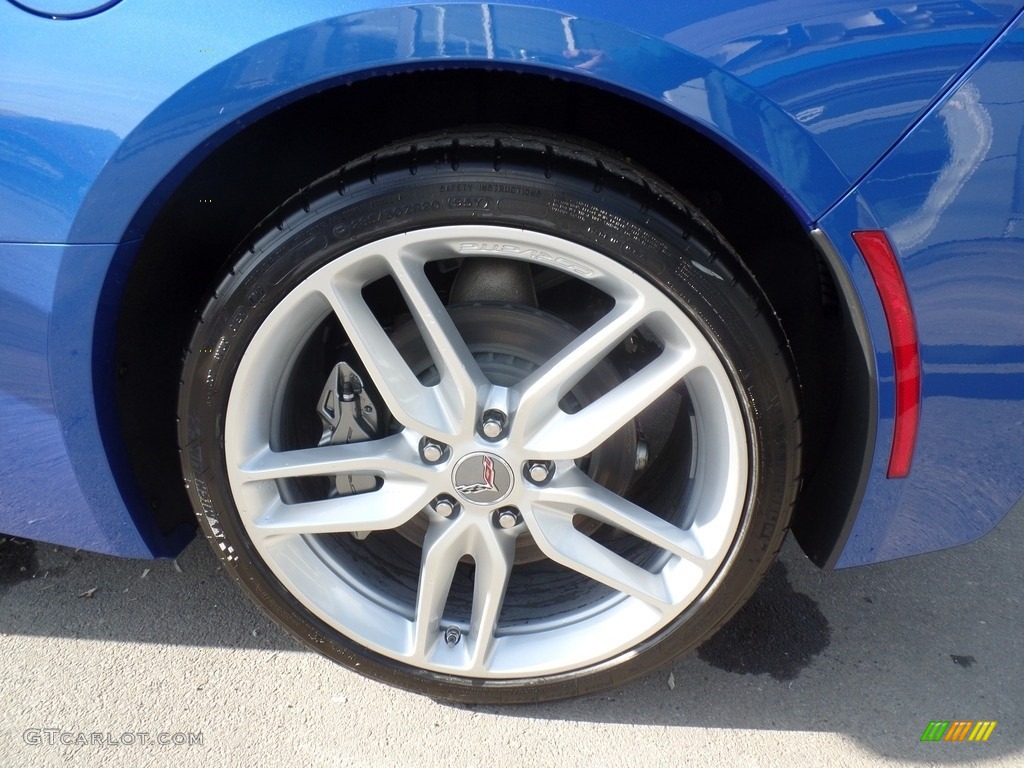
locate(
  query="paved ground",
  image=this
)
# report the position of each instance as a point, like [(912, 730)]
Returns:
[(844, 668)]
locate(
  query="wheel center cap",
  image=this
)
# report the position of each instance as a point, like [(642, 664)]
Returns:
[(482, 478)]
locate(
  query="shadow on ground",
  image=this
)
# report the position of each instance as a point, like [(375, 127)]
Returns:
[(872, 653)]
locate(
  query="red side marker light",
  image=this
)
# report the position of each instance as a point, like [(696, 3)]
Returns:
[(899, 316)]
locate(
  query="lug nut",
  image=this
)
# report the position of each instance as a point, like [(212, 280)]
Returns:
[(431, 451), (445, 507), (538, 471), (507, 518), (493, 424)]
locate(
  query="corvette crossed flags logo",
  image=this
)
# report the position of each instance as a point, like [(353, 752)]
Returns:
[(488, 480)]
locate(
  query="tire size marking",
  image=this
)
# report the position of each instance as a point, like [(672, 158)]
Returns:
[(386, 215), (206, 503), (463, 203)]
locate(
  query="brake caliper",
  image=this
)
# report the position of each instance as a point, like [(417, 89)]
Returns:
[(349, 416)]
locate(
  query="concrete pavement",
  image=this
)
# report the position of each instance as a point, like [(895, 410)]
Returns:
[(841, 668)]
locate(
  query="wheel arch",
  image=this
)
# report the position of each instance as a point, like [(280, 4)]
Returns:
[(174, 243), (248, 86)]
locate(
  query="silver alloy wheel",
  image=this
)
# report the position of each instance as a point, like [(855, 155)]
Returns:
[(636, 599)]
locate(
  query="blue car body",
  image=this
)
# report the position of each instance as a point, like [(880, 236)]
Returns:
[(857, 114)]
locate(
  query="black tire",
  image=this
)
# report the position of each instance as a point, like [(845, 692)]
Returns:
[(539, 187)]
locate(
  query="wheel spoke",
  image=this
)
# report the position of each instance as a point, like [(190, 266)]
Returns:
[(448, 409), (562, 435), (462, 382), (540, 392), (554, 533), (443, 547), (576, 493), (493, 556), (388, 507), (387, 458)]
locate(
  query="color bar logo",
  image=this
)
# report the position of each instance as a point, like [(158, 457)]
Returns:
[(958, 730)]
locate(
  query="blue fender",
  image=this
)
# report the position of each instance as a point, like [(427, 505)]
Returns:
[(330, 52)]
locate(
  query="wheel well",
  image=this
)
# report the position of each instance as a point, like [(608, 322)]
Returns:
[(222, 199)]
